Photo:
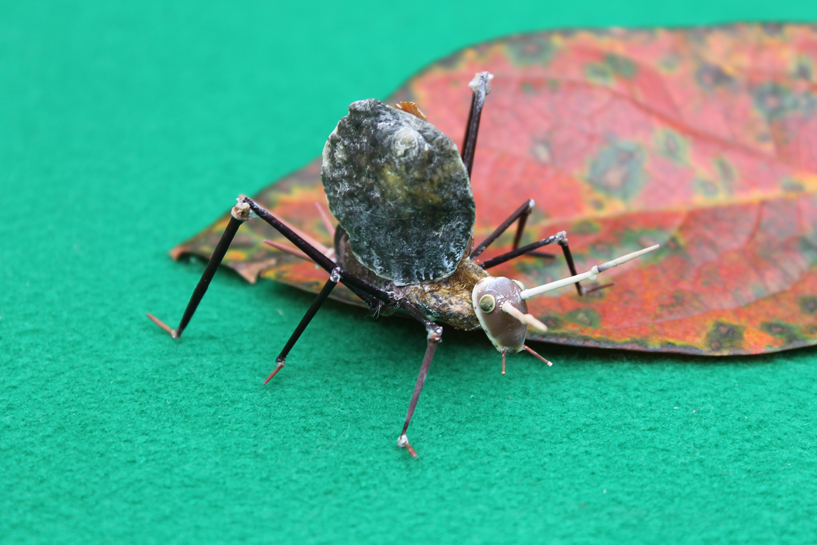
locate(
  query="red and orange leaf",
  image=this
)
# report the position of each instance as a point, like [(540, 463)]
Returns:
[(701, 139)]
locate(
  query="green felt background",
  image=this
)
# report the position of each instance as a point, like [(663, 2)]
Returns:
[(126, 127)]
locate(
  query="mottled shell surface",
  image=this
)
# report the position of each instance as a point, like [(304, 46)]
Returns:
[(398, 187)]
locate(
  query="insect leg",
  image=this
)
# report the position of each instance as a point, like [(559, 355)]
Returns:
[(238, 215), (372, 295), (559, 238), (334, 278), (521, 214), (481, 86), (435, 333), (363, 289)]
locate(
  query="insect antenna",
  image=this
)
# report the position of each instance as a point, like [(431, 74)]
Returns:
[(589, 275)]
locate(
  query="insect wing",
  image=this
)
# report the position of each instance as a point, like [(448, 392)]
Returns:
[(398, 187)]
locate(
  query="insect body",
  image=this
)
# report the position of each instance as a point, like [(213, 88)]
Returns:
[(402, 197)]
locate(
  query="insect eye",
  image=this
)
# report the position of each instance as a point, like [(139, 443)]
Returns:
[(487, 303), (520, 284)]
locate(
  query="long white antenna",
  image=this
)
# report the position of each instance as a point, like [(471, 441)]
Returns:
[(589, 275)]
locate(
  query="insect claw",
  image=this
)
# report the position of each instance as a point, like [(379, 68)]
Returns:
[(278, 367), (403, 442), (173, 333), (503, 361)]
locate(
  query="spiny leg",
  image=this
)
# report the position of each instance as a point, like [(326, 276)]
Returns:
[(370, 294), (434, 336), (238, 215), (521, 215), (559, 238), (373, 296), (334, 278)]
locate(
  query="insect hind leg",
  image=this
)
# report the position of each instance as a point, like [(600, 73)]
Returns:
[(434, 336)]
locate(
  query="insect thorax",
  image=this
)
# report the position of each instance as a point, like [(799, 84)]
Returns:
[(447, 300)]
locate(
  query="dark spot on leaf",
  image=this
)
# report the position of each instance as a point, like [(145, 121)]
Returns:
[(599, 73), (781, 330), (673, 146), (526, 50), (552, 321), (541, 150), (808, 304), (725, 169), (707, 188), (808, 249), (725, 336), (584, 227), (601, 250), (792, 186), (584, 316), (776, 101), (710, 76), (618, 170), (670, 62), (805, 70), (622, 66)]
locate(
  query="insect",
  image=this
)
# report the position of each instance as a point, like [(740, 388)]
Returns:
[(401, 194)]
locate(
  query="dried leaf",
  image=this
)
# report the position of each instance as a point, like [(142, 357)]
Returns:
[(701, 139)]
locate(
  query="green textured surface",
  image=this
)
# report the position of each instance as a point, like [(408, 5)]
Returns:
[(124, 130)]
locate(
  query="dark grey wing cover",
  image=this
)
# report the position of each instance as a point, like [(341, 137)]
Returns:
[(398, 187)]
